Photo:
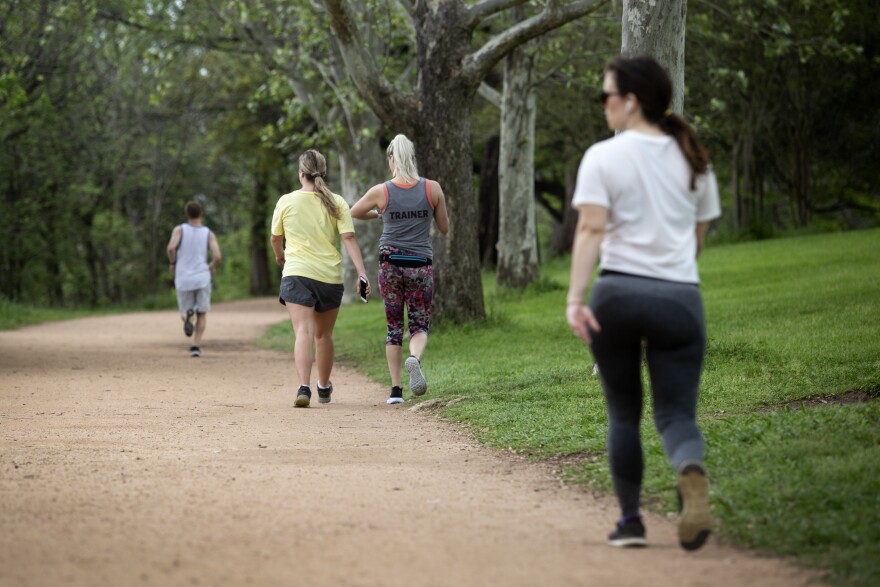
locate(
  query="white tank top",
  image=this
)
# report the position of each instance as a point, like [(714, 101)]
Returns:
[(192, 271)]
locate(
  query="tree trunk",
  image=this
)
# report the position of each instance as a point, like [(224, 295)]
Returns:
[(517, 237), (563, 236), (362, 165), (657, 29), (259, 249), (488, 202)]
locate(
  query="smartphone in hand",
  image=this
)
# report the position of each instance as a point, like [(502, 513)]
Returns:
[(362, 289)]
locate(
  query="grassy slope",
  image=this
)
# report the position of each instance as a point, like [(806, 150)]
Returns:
[(788, 319)]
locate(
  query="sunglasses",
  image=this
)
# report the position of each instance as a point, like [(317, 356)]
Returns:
[(603, 97)]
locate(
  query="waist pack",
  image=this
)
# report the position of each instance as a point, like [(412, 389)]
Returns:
[(405, 260)]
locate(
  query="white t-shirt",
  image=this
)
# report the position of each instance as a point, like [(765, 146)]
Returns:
[(644, 181)]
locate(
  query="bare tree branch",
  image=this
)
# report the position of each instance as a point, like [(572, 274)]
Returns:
[(490, 94), (478, 64), (388, 102), (486, 8)]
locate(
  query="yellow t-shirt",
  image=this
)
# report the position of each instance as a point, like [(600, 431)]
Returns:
[(310, 235)]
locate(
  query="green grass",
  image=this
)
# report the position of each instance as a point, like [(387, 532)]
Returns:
[(788, 319)]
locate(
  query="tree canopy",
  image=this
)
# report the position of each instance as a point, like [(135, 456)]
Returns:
[(114, 114)]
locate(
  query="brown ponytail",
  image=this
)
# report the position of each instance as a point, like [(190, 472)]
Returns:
[(314, 166), (647, 79), (696, 154)]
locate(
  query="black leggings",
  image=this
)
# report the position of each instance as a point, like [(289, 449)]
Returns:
[(668, 317)]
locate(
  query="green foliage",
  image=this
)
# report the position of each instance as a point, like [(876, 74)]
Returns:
[(789, 320), (779, 91)]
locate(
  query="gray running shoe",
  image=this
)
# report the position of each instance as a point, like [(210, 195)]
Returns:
[(303, 397), (695, 524), (396, 396), (324, 394), (195, 351), (417, 383), (188, 322)]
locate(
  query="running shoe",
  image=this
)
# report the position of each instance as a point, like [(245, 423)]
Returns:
[(695, 524), (629, 532), (188, 323), (303, 397), (396, 396), (417, 383), (195, 351), (324, 393)]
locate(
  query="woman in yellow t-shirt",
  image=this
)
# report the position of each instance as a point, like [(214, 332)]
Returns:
[(304, 229)]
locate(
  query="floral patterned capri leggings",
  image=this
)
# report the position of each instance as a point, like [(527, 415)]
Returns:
[(413, 286)]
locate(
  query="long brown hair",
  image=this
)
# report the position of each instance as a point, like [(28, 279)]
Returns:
[(647, 79), (314, 166)]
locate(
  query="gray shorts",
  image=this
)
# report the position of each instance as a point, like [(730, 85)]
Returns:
[(304, 291), (194, 299)]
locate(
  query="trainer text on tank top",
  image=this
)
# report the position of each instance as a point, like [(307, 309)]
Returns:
[(408, 214)]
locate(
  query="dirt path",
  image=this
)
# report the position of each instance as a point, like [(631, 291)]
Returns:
[(125, 462)]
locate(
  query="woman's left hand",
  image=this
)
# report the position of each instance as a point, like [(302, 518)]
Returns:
[(580, 319)]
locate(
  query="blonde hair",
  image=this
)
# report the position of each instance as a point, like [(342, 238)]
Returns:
[(314, 166), (404, 153)]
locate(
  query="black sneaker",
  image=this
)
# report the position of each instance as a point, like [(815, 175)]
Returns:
[(629, 532), (188, 323), (417, 383), (695, 524), (396, 396), (324, 393), (303, 397), (195, 351)]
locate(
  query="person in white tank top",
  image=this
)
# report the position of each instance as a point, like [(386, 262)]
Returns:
[(187, 252)]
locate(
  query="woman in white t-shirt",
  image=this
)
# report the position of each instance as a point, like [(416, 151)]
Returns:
[(645, 199)]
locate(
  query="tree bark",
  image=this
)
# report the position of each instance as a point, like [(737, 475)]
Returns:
[(563, 236), (361, 166), (657, 28), (488, 202), (259, 252), (517, 236)]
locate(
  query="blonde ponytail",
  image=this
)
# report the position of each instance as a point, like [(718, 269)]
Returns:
[(314, 166), (404, 153)]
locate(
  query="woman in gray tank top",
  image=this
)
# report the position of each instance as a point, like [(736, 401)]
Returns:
[(407, 204)]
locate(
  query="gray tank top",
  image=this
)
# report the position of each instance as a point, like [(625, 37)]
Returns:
[(407, 217)]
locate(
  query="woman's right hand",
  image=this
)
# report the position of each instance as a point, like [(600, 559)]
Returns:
[(580, 318)]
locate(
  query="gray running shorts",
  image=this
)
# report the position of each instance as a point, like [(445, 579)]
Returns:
[(304, 291), (194, 299)]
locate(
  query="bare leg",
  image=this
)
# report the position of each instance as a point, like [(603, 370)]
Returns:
[(417, 344), (303, 320), (324, 349), (201, 323), (394, 354)]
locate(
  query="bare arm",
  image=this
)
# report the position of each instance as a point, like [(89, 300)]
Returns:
[(215, 251), (585, 253), (365, 208), (440, 215), (350, 242), (702, 229), (278, 248), (171, 249)]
